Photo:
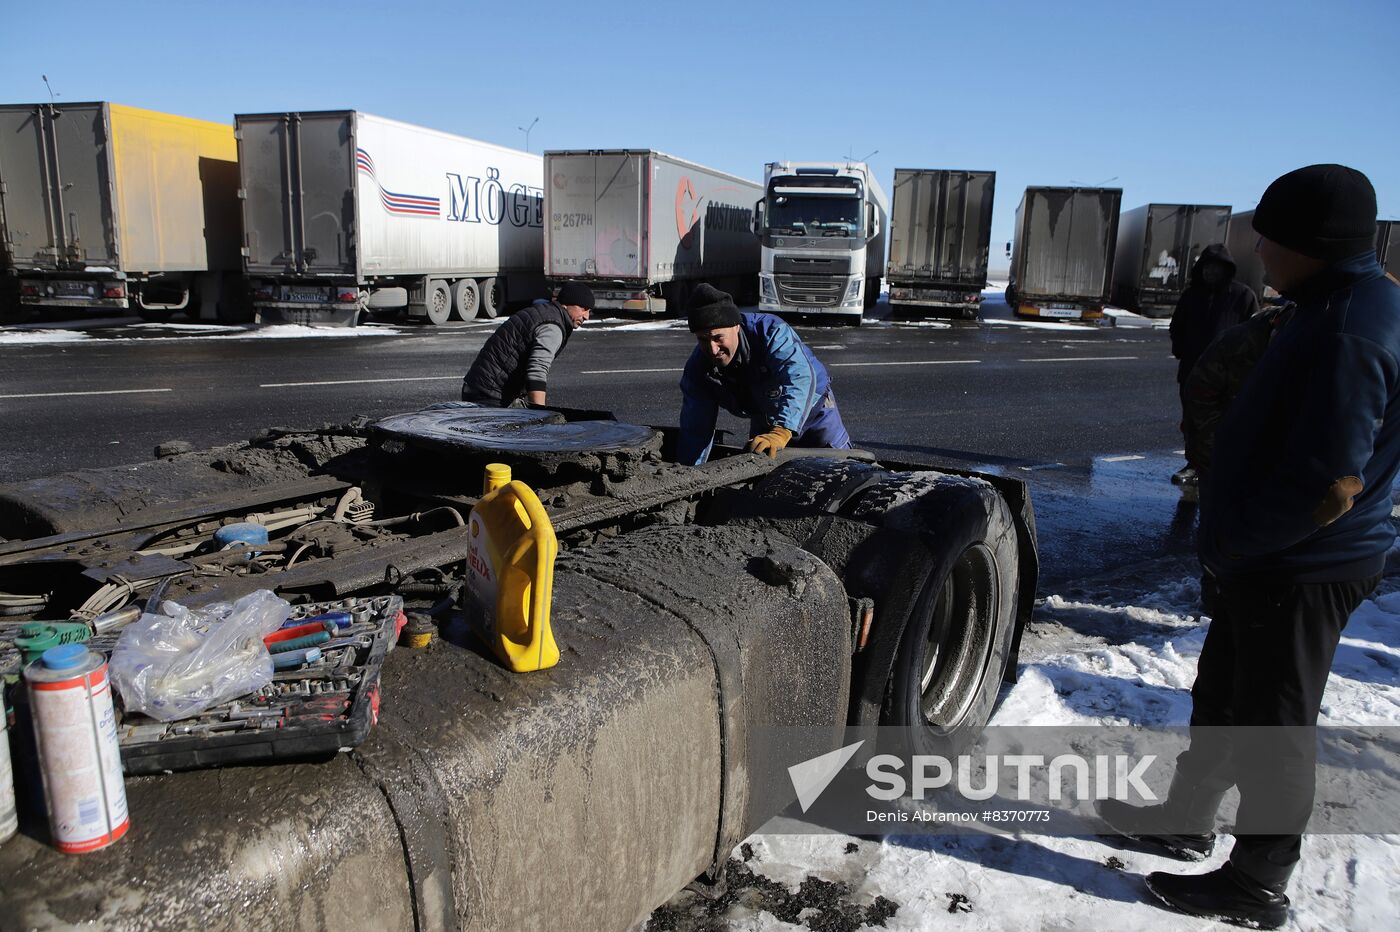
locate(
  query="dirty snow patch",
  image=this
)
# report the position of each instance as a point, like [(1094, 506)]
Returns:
[(34, 337)]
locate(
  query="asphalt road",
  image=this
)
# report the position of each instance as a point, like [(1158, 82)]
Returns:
[(984, 393)]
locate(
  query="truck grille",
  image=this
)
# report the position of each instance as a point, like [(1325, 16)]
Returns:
[(809, 290)]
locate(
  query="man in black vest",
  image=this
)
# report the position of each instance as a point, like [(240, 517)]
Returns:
[(512, 369)]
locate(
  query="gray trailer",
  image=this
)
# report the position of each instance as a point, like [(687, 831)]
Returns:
[(940, 232), (1388, 245), (104, 206), (1241, 240), (1062, 256), (344, 211), (1157, 246), (641, 228)]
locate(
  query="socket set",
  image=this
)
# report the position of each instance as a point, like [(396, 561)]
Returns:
[(323, 698)]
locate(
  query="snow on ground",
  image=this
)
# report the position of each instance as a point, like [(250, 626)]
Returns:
[(1124, 318), (31, 337), (1111, 654), (1037, 324)]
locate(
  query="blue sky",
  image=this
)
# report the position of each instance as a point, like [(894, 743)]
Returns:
[(1174, 101)]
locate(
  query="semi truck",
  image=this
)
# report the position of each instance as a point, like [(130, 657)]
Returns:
[(1241, 240), (822, 226), (642, 228), (110, 207), (345, 213), (1157, 246), (707, 616), (940, 234), (1062, 253)]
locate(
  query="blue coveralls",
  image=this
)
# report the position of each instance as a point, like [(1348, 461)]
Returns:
[(773, 380)]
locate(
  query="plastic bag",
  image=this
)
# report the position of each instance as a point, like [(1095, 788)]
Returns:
[(180, 662)]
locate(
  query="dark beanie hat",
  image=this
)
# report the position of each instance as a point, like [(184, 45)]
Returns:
[(709, 308), (575, 293), (1323, 211)]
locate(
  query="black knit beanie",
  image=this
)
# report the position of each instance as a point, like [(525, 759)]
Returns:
[(576, 293), (709, 308), (1323, 211)]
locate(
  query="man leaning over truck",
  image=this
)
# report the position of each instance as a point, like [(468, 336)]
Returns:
[(754, 366), (512, 369)]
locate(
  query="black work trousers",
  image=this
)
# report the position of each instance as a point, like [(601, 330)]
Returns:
[(1264, 664)]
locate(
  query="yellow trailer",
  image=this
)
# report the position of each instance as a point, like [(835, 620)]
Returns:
[(108, 206)]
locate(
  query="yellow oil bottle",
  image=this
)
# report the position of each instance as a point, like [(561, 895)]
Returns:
[(510, 574)]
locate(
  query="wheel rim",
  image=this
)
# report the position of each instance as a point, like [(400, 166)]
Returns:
[(959, 642), (439, 305)]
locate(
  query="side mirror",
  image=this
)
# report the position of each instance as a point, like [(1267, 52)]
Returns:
[(872, 222), (758, 218), (1008, 250)]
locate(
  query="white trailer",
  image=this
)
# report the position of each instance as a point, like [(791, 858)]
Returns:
[(641, 227), (344, 212)]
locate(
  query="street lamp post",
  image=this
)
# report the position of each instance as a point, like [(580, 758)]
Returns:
[(526, 131)]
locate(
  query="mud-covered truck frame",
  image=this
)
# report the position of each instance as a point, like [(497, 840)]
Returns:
[(642, 228), (345, 212), (696, 608), (106, 207), (940, 236), (1062, 256), (1158, 244)]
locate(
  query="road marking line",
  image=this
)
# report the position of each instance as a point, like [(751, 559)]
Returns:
[(1123, 459), (416, 378), (624, 371), (118, 391), (1076, 358), (917, 362)]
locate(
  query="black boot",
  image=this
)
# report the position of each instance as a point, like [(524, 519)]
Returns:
[(1225, 895), (1151, 826)]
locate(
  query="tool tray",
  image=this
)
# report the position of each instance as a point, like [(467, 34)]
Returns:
[(315, 711)]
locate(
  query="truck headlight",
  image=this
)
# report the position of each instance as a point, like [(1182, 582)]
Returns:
[(766, 290), (852, 291)]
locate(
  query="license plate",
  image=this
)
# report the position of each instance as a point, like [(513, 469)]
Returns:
[(75, 288), (312, 295), (1065, 312)]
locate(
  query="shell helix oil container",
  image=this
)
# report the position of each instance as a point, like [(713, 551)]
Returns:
[(510, 578)]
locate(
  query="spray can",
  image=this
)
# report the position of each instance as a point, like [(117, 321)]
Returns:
[(9, 816), (75, 727)]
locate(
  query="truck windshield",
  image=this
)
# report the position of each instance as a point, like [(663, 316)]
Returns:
[(814, 214)]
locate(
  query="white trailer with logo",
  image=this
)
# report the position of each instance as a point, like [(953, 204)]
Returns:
[(345, 212), (641, 228)]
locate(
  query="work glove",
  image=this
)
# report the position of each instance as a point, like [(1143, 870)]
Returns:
[(770, 443)]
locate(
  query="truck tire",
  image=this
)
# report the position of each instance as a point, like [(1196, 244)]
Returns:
[(437, 301), (872, 292), (493, 298), (957, 640), (466, 299)]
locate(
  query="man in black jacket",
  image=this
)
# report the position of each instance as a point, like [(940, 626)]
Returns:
[(1295, 527), (1211, 304), (512, 369)]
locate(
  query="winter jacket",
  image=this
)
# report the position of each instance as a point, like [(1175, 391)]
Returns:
[(501, 372), (1316, 424), (1218, 376), (1203, 313), (773, 380)]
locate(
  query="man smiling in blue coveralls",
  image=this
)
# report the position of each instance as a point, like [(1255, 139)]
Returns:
[(753, 366)]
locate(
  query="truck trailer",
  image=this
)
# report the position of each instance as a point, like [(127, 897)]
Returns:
[(1241, 240), (345, 213), (706, 615), (1157, 246), (1062, 255), (642, 228), (1388, 245), (940, 233), (105, 206), (822, 226)]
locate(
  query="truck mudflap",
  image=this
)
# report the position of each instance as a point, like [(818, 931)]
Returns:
[(589, 792)]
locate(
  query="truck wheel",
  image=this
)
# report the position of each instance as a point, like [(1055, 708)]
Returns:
[(438, 301), (957, 640), (466, 298), (872, 292), (493, 299)]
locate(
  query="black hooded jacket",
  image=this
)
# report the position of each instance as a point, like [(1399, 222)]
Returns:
[(1203, 313)]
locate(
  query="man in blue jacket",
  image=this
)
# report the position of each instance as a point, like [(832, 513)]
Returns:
[(753, 366), (1295, 526)]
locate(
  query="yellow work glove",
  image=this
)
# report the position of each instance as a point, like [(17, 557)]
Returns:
[(771, 442)]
